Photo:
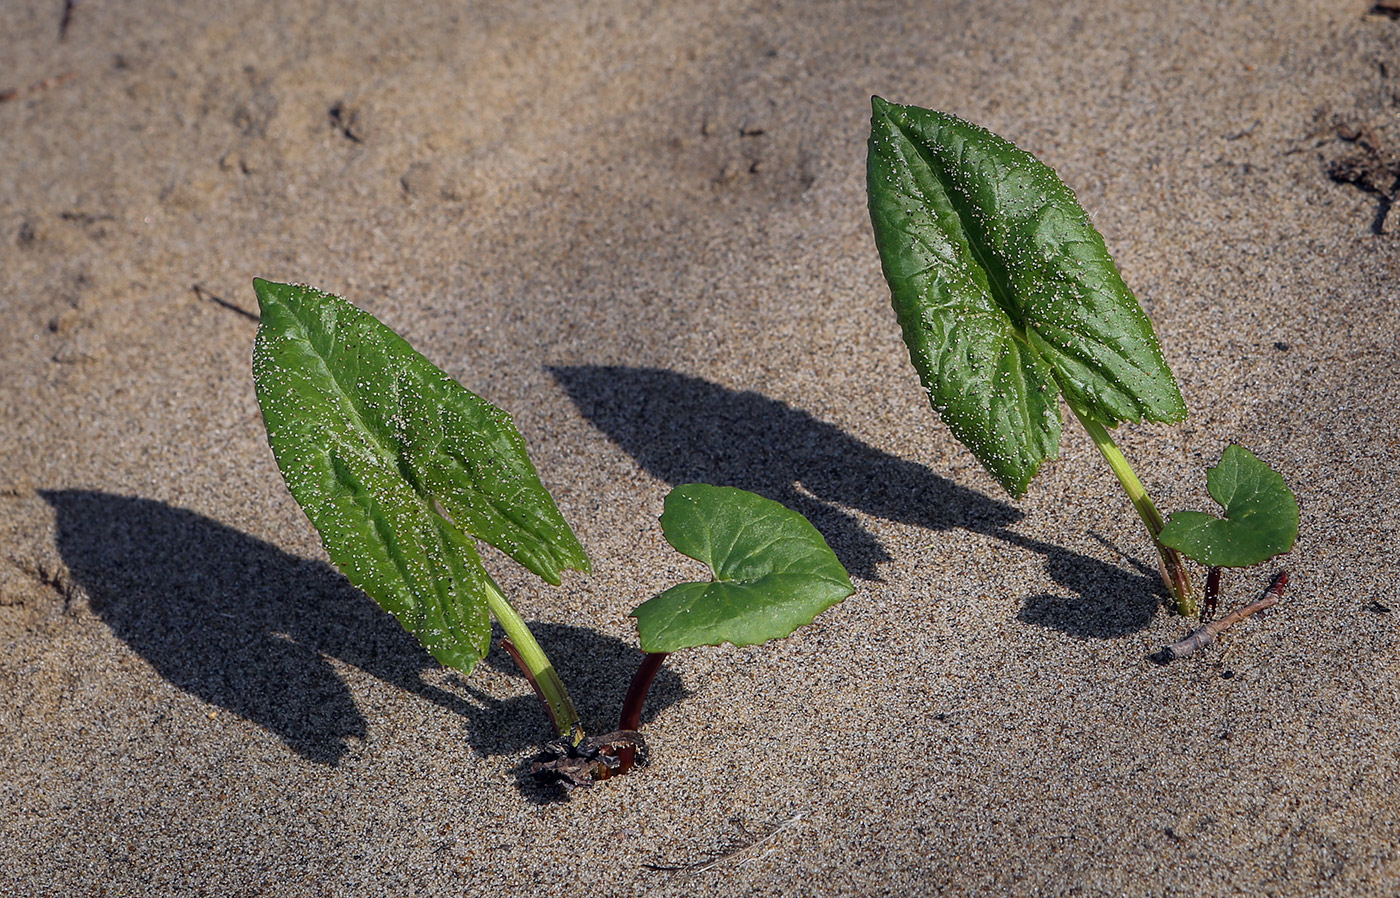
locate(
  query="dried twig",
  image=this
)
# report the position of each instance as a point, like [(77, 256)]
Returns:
[(11, 93), (1373, 168), (1203, 637), (743, 849), (67, 19)]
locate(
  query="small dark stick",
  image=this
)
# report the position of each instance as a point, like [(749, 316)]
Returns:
[(1212, 597), (1203, 637), (67, 19)]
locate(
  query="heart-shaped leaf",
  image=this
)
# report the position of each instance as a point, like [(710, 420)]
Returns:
[(1004, 291), (373, 440), (1260, 521), (773, 571)]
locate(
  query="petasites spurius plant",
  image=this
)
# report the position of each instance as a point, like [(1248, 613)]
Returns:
[(401, 470), (1009, 300)]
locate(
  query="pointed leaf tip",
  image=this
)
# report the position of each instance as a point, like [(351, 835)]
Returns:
[(773, 572), (1005, 293), (263, 290), (376, 443)]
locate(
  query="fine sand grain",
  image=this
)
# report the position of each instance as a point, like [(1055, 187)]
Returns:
[(641, 228)]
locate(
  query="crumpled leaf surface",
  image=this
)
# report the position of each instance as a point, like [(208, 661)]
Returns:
[(1260, 519), (374, 441), (773, 571), (1005, 292)]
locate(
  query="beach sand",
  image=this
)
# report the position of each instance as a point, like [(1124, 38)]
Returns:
[(641, 228)]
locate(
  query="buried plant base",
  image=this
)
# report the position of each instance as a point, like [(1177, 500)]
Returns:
[(1008, 300), (1259, 521), (401, 470)]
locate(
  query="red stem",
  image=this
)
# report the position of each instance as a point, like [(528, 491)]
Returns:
[(637, 692), (1212, 595), (632, 705)]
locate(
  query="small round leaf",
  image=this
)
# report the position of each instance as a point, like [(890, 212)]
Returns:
[(1260, 521), (773, 572)]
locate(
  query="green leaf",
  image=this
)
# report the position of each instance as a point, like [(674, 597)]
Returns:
[(375, 442), (1004, 292), (1261, 515), (773, 571)]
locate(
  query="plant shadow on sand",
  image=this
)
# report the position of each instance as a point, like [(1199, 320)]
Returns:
[(247, 627), (682, 429)]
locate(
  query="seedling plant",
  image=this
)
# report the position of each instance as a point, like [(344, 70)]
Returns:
[(1009, 300), (401, 470)]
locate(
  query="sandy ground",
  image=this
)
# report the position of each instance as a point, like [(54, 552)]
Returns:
[(641, 228)]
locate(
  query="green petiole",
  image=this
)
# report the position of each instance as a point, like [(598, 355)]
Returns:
[(1173, 566), (526, 651)]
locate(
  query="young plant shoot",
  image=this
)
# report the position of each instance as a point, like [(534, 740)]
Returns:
[(1008, 299), (1260, 521), (401, 469), (773, 572)]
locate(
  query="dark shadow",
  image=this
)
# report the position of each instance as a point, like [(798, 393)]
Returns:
[(249, 628), (1108, 601), (1111, 601), (682, 429)]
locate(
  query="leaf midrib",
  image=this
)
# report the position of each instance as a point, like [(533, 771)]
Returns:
[(1000, 292), (343, 396)]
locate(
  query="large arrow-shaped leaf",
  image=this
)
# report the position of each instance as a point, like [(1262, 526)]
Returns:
[(1005, 292), (773, 571), (1260, 520), (373, 440)]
